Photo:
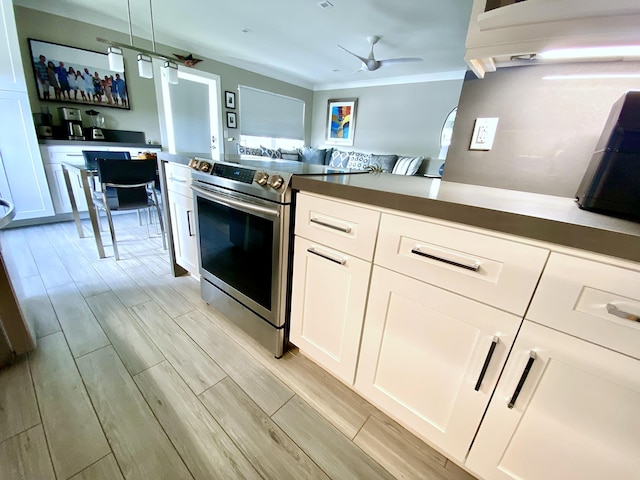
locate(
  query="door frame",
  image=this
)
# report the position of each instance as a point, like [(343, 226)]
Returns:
[(164, 106)]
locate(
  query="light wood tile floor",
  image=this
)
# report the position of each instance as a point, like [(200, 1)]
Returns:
[(135, 377)]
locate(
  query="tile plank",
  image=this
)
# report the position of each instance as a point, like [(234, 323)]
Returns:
[(51, 269), (135, 348), (258, 382), (205, 447), (170, 301), (17, 254), (86, 279), (25, 457), (402, 453), (193, 365), (139, 444), (72, 429), (81, 329), (326, 446), (267, 447), (36, 305), (127, 290), (18, 407), (104, 469)]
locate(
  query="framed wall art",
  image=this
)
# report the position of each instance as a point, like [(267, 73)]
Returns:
[(231, 120), (230, 100), (341, 121), (75, 75)]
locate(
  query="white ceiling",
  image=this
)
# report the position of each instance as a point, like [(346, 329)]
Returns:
[(296, 40)]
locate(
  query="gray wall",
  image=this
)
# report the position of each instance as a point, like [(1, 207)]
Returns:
[(547, 129), (143, 115), (395, 119)]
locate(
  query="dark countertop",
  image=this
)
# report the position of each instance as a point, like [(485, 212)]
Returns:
[(540, 217), (91, 143)]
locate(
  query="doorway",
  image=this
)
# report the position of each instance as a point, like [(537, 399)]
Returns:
[(189, 112)]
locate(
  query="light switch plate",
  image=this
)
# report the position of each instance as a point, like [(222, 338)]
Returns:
[(484, 133)]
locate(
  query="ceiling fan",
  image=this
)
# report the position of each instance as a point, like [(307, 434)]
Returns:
[(370, 64)]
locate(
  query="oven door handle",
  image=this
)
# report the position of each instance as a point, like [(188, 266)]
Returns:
[(238, 204)]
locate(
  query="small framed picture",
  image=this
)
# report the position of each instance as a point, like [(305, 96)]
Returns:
[(230, 99), (231, 120)]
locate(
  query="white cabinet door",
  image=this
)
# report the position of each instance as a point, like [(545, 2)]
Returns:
[(576, 416), (428, 358), (11, 72), (329, 294), (183, 230), (59, 192), (20, 158)]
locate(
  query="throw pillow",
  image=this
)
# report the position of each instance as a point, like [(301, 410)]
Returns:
[(407, 165), (339, 159), (385, 162), (327, 156), (313, 155), (289, 154), (242, 150), (270, 152), (358, 161)]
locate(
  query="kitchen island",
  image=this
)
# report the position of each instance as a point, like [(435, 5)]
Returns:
[(494, 324), (540, 217)]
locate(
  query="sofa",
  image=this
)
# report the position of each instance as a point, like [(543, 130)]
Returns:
[(397, 164)]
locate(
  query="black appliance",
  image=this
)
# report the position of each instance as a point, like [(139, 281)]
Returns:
[(611, 184)]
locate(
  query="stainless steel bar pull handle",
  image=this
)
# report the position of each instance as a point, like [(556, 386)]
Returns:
[(329, 225), (178, 179), (613, 310), (191, 234), (339, 261), (469, 266), (487, 361), (523, 378)]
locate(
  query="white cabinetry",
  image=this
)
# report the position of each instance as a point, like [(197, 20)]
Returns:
[(431, 358), (11, 72), (331, 267), (183, 228), (533, 26), (576, 415)]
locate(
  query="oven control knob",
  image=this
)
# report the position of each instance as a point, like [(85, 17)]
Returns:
[(261, 178), (276, 182)]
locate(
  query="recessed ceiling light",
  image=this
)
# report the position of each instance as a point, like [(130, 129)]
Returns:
[(325, 4)]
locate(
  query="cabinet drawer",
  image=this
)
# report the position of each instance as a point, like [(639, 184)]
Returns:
[(591, 300), (178, 178), (343, 226), (502, 273)]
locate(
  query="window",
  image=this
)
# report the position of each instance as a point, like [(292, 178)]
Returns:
[(270, 120)]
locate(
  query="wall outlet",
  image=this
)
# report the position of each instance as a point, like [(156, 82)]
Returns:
[(484, 133)]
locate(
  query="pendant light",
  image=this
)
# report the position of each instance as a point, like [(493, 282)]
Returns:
[(170, 71), (116, 59), (145, 66)]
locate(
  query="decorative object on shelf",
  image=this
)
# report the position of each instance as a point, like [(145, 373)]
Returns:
[(231, 120), (341, 121), (189, 60), (484, 132), (230, 99), (75, 75), (145, 65)]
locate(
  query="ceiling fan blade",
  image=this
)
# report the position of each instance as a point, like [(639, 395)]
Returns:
[(391, 61), (363, 60)]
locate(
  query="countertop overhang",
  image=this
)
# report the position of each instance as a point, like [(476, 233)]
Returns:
[(547, 218)]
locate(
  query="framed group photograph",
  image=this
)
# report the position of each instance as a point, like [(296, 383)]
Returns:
[(230, 99), (341, 121), (75, 75), (231, 120)]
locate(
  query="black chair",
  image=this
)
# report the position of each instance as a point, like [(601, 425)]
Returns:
[(133, 183)]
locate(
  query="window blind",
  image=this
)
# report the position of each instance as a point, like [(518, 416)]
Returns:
[(267, 114)]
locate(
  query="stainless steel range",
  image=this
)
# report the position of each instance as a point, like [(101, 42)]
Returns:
[(243, 213)]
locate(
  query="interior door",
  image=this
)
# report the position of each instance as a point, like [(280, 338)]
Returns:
[(190, 116)]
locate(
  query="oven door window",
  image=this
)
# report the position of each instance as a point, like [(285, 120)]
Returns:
[(237, 248)]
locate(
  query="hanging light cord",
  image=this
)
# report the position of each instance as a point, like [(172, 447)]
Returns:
[(130, 28), (153, 36)]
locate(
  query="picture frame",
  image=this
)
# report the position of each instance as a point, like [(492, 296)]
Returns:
[(231, 120), (341, 121), (230, 99), (53, 64)]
